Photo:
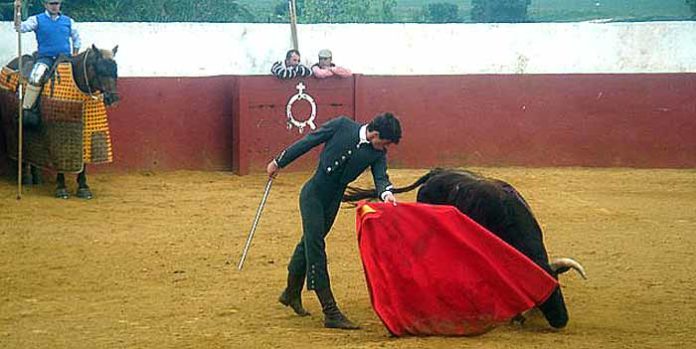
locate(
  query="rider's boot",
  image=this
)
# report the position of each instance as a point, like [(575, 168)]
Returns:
[(31, 118)]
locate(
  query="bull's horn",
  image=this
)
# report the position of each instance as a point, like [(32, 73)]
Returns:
[(561, 265)]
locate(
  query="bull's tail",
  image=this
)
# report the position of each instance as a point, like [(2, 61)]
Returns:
[(354, 194)]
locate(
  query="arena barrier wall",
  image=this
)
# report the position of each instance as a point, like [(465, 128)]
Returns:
[(573, 94), (239, 122)]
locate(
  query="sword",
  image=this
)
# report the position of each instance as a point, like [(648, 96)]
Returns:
[(256, 222)]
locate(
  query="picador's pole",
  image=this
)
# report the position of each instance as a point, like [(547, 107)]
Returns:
[(292, 12), (20, 130), (256, 222)]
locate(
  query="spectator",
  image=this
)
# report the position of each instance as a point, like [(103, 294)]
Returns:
[(291, 67), (325, 68)]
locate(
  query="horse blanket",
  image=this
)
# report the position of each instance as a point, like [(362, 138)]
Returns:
[(431, 270), (75, 129)]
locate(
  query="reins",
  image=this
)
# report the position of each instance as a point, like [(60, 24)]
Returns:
[(84, 68)]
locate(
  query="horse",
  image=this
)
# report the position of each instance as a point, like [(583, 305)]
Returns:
[(501, 209), (94, 71)]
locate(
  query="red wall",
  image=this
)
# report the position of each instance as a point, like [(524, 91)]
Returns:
[(642, 120), (540, 120), (172, 123), (238, 122), (260, 127)]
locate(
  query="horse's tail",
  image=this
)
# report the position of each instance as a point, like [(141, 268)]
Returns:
[(354, 194)]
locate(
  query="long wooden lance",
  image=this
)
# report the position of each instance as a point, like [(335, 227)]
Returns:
[(292, 12), (20, 129)]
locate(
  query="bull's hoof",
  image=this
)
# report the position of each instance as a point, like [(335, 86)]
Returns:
[(62, 193), (84, 193)]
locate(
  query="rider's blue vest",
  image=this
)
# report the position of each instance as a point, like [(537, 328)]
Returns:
[(52, 36)]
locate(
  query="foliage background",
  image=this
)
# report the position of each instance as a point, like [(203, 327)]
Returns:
[(359, 11)]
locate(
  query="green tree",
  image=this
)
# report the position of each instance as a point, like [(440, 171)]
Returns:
[(347, 11), (441, 12), (147, 10), (692, 4), (499, 11)]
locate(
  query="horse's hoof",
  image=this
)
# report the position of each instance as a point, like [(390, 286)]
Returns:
[(62, 193), (84, 193)]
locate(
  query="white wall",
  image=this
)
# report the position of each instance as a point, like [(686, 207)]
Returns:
[(189, 49)]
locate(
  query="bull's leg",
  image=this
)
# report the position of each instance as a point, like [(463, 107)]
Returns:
[(554, 309), (61, 190), (83, 191)]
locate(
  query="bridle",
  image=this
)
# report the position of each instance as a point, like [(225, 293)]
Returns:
[(84, 68)]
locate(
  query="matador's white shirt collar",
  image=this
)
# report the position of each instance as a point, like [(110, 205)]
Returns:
[(363, 135)]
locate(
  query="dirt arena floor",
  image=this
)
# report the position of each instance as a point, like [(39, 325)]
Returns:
[(143, 265)]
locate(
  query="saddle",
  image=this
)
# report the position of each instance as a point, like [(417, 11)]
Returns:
[(32, 118), (28, 63)]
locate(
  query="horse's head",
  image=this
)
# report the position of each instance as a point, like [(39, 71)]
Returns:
[(101, 72)]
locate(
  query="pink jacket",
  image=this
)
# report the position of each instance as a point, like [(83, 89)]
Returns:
[(340, 72)]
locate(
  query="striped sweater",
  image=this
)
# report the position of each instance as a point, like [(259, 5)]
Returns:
[(280, 71)]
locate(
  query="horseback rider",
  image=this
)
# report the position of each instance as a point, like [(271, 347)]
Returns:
[(54, 33)]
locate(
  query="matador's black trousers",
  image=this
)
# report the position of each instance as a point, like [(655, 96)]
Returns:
[(320, 200)]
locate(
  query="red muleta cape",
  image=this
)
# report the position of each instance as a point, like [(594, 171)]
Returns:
[(431, 270)]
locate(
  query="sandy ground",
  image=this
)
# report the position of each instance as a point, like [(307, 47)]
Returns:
[(143, 265)]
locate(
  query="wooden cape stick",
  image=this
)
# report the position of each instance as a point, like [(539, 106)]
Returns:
[(20, 129)]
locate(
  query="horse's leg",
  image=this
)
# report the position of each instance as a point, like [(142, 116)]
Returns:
[(83, 191), (26, 174), (35, 175), (61, 190)]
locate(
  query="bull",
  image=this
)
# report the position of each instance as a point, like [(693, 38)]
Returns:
[(497, 206)]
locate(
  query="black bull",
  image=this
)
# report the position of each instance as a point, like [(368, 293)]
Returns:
[(498, 207)]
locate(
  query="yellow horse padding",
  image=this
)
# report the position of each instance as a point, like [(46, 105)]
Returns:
[(75, 126)]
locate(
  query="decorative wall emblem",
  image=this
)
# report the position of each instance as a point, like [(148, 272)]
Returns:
[(292, 121)]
